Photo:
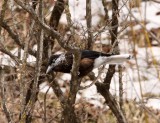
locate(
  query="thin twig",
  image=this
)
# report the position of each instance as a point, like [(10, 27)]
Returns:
[(2, 93), (44, 105), (95, 80), (144, 27), (46, 28), (4, 50), (2, 13), (39, 58), (120, 89), (15, 37), (57, 90), (103, 88), (15, 58), (23, 83)]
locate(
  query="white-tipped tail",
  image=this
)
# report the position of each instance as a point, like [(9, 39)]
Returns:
[(115, 59), (118, 59)]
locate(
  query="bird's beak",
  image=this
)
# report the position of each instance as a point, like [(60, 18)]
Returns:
[(49, 69)]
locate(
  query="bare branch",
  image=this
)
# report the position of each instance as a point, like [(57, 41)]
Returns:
[(15, 58), (111, 102), (69, 110), (56, 14), (53, 83), (4, 50), (23, 83), (103, 88), (120, 89), (50, 31), (2, 13), (35, 84), (106, 12), (2, 93), (16, 38), (53, 22), (149, 32), (95, 79), (89, 24), (39, 54), (69, 21)]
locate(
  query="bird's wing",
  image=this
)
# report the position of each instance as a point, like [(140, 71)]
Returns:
[(86, 66), (92, 54)]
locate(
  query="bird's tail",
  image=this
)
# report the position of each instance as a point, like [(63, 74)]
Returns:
[(118, 59)]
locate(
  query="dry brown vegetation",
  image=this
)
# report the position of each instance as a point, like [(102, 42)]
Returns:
[(30, 23)]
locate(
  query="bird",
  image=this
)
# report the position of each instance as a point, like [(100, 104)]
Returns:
[(89, 61)]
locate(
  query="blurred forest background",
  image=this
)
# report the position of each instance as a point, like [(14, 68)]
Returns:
[(32, 30)]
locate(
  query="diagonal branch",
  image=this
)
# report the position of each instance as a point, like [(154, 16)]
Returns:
[(149, 32), (46, 28), (58, 92), (15, 58), (15, 37), (4, 50), (111, 102)]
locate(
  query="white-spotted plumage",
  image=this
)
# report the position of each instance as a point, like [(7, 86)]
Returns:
[(60, 59), (56, 62)]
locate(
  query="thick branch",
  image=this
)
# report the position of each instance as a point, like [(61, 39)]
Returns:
[(106, 12), (54, 84), (89, 24), (56, 14), (114, 22), (111, 102), (69, 115), (109, 76)]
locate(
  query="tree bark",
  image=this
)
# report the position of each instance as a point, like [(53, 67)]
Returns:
[(68, 113)]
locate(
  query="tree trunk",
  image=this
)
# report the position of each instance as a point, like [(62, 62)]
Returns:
[(68, 114)]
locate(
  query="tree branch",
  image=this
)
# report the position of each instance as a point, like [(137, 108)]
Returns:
[(2, 13), (103, 88), (4, 50), (111, 102), (15, 37), (2, 93), (46, 28), (89, 24)]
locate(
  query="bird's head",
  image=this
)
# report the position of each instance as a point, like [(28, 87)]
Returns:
[(53, 61)]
